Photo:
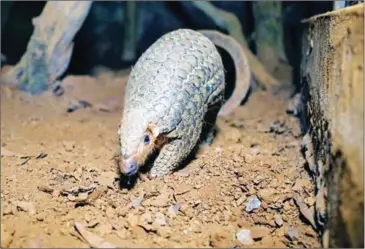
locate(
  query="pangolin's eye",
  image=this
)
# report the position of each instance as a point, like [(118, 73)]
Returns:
[(146, 139)]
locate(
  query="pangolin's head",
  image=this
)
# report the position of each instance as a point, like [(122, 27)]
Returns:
[(138, 139)]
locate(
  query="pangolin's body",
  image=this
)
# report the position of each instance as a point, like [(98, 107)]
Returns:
[(171, 87)]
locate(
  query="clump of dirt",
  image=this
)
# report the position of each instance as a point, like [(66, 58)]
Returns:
[(60, 186)]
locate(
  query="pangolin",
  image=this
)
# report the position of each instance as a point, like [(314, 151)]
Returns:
[(170, 89)]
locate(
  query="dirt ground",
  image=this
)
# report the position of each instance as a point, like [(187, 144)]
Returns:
[(58, 170)]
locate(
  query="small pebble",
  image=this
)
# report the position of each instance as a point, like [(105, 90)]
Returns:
[(160, 219), (137, 202), (173, 210), (252, 203), (244, 236), (278, 220), (292, 233)]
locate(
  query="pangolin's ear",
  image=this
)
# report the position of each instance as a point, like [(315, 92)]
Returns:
[(154, 130)]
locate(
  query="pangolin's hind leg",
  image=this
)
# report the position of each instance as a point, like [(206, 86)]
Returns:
[(210, 127), (208, 138), (170, 158)]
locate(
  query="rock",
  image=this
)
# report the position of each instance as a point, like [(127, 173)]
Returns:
[(188, 211), (195, 226), (292, 233), (164, 232), (146, 222), (278, 220), (268, 195), (106, 178), (267, 242), (280, 232), (9, 210), (259, 232), (182, 189), (110, 212), (300, 183), (160, 219), (162, 200), (241, 200), (287, 206), (220, 238), (26, 207), (173, 210), (252, 203), (137, 202), (123, 233), (310, 201), (244, 236), (133, 220), (104, 229), (69, 145), (139, 232)]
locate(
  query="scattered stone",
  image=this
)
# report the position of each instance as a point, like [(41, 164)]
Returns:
[(252, 203), (92, 239), (137, 202), (301, 183), (310, 232), (123, 233), (146, 218), (280, 232), (220, 238), (68, 146), (106, 178), (182, 189), (162, 200), (173, 210), (132, 219), (278, 220), (164, 232), (41, 155), (310, 201), (45, 189), (110, 212), (160, 219), (287, 206), (267, 242), (259, 232), (244, 236), (195, 226), (292, 233), (305, 211), (241, 200), (26, 207), (268, 195), (9, 210)]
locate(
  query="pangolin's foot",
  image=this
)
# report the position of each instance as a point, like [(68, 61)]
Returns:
[(209, 138)]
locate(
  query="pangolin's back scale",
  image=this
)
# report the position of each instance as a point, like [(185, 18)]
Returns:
[(175, 80)]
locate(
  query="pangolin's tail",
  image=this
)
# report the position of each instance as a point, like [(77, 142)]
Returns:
[(243, 70)]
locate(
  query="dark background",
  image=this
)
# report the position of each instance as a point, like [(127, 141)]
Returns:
[(100, 40)]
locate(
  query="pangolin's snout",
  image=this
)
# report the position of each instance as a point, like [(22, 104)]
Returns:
[(129, 166)]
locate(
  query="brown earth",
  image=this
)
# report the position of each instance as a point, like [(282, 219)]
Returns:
[(57, 168)]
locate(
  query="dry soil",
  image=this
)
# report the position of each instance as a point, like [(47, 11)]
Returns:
[(58, 170)]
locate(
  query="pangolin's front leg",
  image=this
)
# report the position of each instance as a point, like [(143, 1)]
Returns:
[(170, 157)]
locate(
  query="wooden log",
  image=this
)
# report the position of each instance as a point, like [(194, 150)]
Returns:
[(269, 34), (232, 25), (332, 76), (50, 47)]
